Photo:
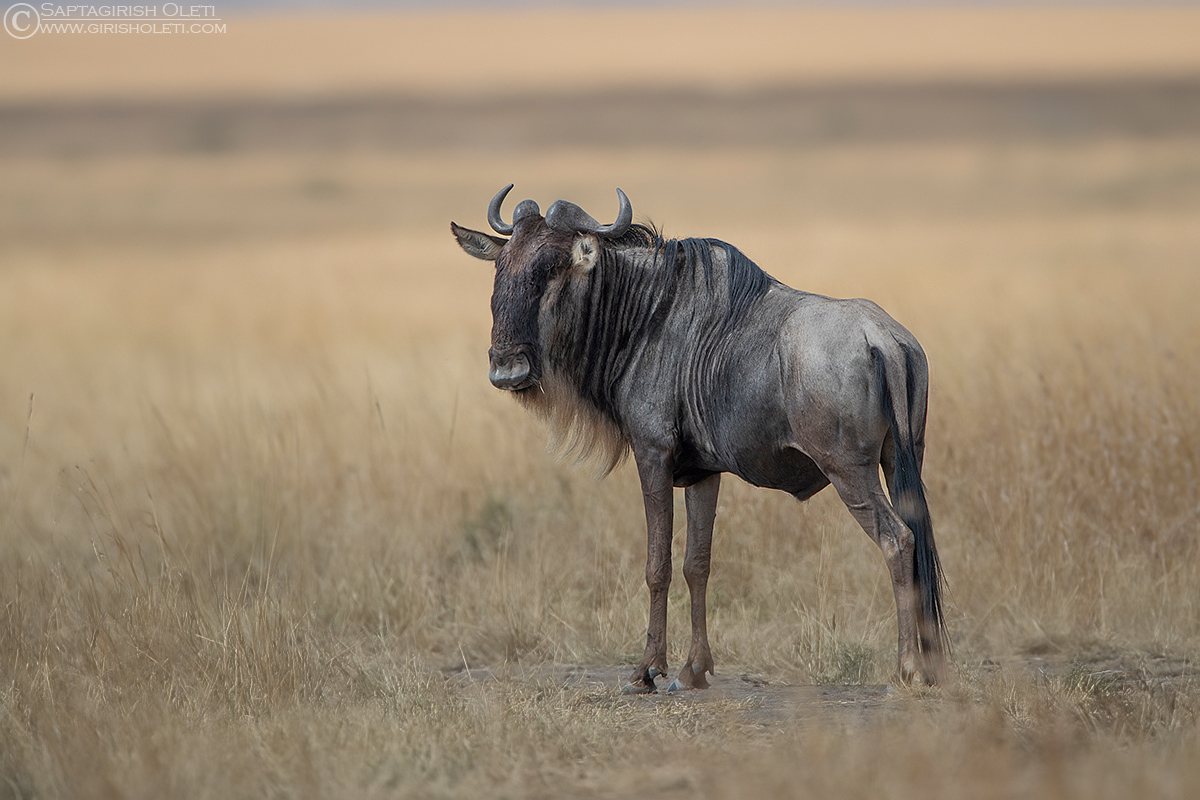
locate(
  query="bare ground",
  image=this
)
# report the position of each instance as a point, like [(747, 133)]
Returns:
[(1097, 670), (756, 701)]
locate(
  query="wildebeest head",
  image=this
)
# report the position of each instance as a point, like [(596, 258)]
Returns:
[(540, 252)]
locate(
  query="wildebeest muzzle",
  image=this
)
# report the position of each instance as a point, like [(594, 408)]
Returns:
[(512, 368)]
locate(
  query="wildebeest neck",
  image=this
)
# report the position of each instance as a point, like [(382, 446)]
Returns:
[(645, 305)]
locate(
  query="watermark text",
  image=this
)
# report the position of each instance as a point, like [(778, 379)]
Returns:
[(23, 20)]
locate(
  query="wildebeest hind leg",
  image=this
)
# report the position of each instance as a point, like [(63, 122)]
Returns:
[(701, 501), (861, 492)]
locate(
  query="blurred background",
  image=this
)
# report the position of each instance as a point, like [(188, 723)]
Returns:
[(251, 467)]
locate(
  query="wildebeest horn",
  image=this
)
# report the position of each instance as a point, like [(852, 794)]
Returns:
[(568, 217), (525, 209), (494, 212)]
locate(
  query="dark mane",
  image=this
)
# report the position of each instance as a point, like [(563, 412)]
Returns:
[(640, 280), (639, 236), (745, 281)]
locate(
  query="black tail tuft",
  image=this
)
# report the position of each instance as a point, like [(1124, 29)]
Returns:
[(908, 498)]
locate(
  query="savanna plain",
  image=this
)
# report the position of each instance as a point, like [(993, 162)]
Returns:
[(268, 531)]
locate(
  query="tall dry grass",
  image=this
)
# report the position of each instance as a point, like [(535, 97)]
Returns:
[(268, 531)]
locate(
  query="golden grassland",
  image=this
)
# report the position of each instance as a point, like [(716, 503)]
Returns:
[(268, 531), (266, 522)]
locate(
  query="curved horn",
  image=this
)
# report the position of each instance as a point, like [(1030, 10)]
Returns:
[(623, 221), (569, 218), (494, 212)]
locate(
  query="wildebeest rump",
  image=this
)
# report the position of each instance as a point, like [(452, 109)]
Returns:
[(688, 354)]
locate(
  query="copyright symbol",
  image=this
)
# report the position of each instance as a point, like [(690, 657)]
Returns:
[(21, 20)]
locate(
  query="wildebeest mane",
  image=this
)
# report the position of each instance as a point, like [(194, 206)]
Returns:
[(638, 235), (619, 312), (745, 281)]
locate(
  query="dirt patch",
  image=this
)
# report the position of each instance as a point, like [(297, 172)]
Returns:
[(1096, 670), (758, 701)]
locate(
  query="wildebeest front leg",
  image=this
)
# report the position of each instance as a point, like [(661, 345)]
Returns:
[(701, 512), (657, 493)]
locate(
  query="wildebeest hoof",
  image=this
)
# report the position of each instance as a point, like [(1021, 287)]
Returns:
[(638, 688), (643, 682), (689, 678)]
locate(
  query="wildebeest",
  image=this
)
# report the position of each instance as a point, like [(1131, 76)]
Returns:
[(688, 354)]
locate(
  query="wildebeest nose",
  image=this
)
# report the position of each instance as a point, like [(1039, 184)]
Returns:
[(510, 372)]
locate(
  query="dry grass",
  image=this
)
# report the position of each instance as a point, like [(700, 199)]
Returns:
[(267, 530), (265, 495)]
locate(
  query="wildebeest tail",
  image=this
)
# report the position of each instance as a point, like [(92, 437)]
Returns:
[(908, 493)]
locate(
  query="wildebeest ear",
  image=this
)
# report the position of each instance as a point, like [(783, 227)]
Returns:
[(477, 243), (585, 252)]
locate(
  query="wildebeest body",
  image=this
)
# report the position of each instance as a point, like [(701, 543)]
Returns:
[(700, 363), (688, 354)]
